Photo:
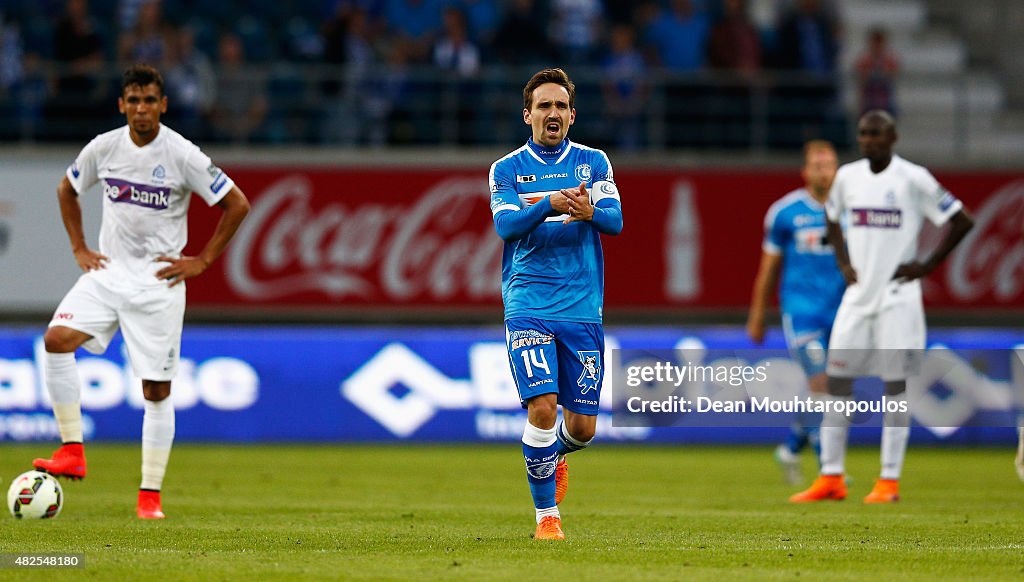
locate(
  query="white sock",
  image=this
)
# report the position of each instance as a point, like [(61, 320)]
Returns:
[(549, 511), (157, 437), (895, 434), (834, 429), (63, 384)]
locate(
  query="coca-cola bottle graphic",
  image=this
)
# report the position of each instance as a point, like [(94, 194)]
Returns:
[(682, 245)]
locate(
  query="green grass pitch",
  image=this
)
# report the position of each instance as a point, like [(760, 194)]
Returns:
[(442, 512)]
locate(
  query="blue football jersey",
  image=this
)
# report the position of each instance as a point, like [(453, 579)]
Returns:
[(554, 271), (811, 283)]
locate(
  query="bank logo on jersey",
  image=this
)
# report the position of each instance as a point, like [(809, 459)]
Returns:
[(583, 172), (591, 360), (122, 191), (877, 217)]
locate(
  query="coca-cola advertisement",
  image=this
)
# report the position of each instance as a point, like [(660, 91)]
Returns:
[(392, 239)]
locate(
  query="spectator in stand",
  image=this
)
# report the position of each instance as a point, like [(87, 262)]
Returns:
[(148, 40), (482, 17), (416, 24), (678, 35), (735, 44), (521, 38), (78, 50), (575, 30), (877, 69), (454, 52), (241, 104), (191, 84), (807, 39), (79, 98), (624, 88), (807, 45)]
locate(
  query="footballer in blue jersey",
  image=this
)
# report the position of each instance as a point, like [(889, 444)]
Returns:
[(796, 250), (551, 200)]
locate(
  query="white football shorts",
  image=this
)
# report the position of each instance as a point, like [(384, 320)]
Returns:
[(150, 319), (889, 343)]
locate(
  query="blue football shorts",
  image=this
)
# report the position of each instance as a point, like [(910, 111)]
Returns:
[(807, 338), (557, 357)]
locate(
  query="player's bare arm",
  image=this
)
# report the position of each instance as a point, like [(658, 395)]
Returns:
[(580, 207), (71, 214), (835, 238), (235, 207), (767, 279), (960, 224)]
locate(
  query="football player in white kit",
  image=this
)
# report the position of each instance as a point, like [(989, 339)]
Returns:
[(879, 329), (136, 279)]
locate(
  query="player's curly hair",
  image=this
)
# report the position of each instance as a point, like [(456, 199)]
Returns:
[(142, 74), (556, 76)]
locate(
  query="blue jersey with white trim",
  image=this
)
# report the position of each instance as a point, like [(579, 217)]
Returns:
[(554, 271), (811, 282)]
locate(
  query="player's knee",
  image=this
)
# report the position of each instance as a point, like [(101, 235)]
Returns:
[(60, 340), (543, 411), (583, 434), (155, 391), (840, 386)]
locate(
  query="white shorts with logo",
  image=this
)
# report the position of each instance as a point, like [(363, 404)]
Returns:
[(150, 319), (888, 343)]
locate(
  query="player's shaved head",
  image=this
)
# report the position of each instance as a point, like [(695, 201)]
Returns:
[(879, 118), (876, 134)]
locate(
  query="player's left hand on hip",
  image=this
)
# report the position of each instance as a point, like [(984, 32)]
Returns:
[(180, 268), (910, 271)]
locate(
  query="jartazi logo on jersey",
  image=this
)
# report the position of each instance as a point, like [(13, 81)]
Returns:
[(120, 191), (877, 217), (546, 176)]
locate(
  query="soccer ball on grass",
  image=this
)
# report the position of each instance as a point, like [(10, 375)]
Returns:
[(35, 495)]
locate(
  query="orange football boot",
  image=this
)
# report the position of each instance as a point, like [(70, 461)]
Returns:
[(824, 487), (561, 481), (149, 505), (549, 528), (67, 461), (885, 491)]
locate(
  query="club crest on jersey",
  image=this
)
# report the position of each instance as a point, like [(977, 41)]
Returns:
[(583, 172), (890, 198), (591, 360), (159, 173), (525, 179)]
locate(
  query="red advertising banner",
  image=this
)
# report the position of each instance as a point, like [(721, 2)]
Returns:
[(392, 239)]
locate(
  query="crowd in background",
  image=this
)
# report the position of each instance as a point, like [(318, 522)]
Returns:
[(360, 71)]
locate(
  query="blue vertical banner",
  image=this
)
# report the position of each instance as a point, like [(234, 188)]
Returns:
[(434, 384)]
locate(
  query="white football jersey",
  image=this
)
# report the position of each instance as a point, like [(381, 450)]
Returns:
[(883, 214), (146, 193)]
